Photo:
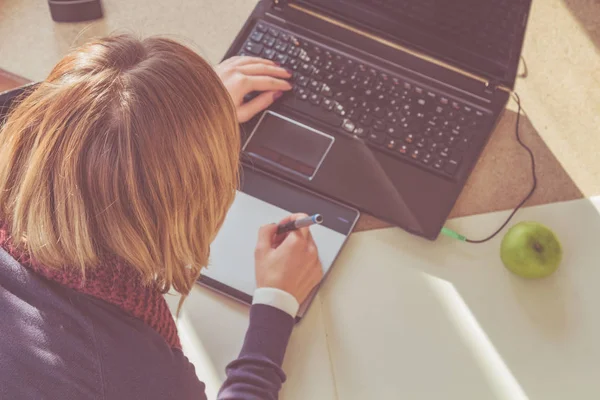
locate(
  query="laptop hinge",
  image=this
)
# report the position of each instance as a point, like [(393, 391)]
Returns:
[(492, 86)]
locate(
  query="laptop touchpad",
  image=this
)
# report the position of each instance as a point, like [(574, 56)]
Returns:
[(288, 144)]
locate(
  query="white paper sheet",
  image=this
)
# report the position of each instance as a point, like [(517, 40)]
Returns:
[(411, 319)]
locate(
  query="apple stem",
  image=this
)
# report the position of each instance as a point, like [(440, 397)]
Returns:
[(538, 247)]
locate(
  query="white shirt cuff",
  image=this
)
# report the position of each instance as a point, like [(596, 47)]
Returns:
[(276, 298)]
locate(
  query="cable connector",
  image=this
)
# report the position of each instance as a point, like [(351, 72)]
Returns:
[(454, 235)]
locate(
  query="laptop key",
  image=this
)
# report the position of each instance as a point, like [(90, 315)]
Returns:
[(327, 104), (315, 85), (261, 27), (268, 41), (439, 136), (391, 144), (353, 113), (340, 96), (280, 46), (379, 112), (314, 99), (305, 68), (281, 59), (293, 64), (392, 119), (394, 132), (268, 54), (405, 149), (348, 126), (376, 137), (451, 167), (326, 90), (422, 143), (433, 147), (253, 48), (426, 159), (304, 56), (293, 51), (366, 120), (360, 131), (302, 81), (256, 36)]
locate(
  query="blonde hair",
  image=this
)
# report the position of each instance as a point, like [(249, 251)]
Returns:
[(128, 149)]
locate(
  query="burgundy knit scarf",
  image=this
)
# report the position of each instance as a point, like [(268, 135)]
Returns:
[(113, 282)]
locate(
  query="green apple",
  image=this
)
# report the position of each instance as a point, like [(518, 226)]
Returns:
[(531, 250)]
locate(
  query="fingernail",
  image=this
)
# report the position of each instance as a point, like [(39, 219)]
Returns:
[(277, 95), (277, 63), (289, 71)]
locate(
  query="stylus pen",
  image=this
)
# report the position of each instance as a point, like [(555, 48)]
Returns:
[(299, 223)]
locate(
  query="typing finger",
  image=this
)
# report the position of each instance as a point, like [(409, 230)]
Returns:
[(265, 83), (264, 70), (245, 60), (248, 110)]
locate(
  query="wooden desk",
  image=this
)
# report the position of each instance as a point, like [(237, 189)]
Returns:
[(10, 81)]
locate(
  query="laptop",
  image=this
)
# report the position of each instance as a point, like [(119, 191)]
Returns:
[(393, 100)]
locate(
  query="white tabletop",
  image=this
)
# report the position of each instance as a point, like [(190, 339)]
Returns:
[(402, 317)]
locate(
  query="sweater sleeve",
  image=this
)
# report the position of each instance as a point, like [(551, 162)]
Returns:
[(256, 373)]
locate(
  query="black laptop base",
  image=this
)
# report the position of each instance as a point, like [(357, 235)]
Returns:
[(360, 170)]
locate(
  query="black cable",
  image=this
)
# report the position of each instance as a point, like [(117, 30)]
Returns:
[(518, 100), (525, 72)]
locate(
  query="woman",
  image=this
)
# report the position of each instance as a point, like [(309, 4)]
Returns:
[(116, 173)]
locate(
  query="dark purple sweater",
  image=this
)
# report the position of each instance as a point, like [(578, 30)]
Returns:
[(56, 343)]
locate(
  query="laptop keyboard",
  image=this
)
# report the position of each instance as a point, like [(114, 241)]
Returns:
[(397, 116), (487, 27)]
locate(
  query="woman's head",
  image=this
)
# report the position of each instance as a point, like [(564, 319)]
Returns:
[(129, 149)]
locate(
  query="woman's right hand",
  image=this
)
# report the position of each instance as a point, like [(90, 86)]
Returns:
[(244, 75), (290, 262)]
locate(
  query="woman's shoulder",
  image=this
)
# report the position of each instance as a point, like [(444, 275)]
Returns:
[(70, 345)]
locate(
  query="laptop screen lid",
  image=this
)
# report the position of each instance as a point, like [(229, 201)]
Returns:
[(482, 37)]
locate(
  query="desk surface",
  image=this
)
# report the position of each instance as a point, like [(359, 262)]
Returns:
[(561, 93), (403, 318)]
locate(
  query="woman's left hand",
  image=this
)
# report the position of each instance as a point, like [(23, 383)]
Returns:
[(244, 75)]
